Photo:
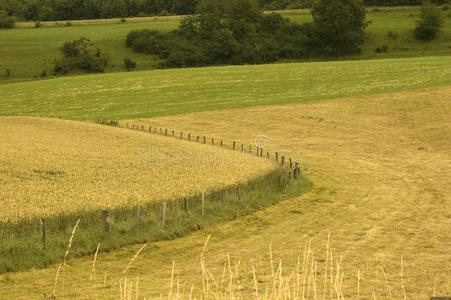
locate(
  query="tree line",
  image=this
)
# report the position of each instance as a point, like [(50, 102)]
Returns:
[(54, 10), (238, 32)]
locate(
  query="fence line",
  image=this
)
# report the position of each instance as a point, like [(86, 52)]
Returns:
[(293, 166)]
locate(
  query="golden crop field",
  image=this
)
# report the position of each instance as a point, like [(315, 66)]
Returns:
[(50, 167), (380, 167)]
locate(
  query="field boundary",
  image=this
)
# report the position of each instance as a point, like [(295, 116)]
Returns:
[(39, 242), (293, 165)]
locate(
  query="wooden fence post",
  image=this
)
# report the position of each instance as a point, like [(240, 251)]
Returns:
[(242, 148), (163, 214), (106, 214), (296, 171), (166, 131), (142, 127), (234, 144), (197, 140), (283, 160), (161, 131), (291, 163), (138, 215), (181, 135), (189, 136), (221, 143), (173, 133), (44, 234), (277, 157), (213, 141), (203, 203), (205, 140), (150, 129)]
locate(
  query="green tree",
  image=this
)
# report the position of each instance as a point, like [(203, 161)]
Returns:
[(339, 25), (81, 55), (5, 20), (430, 23)]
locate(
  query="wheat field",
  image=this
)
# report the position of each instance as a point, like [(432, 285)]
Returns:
[(380, 167), (52, 167)]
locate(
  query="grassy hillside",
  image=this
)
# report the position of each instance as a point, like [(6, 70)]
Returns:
[(28, 51), (380, 166), (169, 92)]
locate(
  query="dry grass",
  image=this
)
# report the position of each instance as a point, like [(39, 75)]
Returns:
[(51, 167), (381, 167)]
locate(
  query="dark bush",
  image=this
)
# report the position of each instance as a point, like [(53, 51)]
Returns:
[(81, 55), (234, 32), (6, 21), (392, 35), (430, 22), (382, 49), (129, 63)]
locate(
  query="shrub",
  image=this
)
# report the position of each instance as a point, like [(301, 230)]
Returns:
[(382, 49), (225, 32), (81, 55), (37, 24), (430, 22), (44, 73), (123, 20), (445, 7), (392, 35), (6, 21), (68, 23), (129, 63)]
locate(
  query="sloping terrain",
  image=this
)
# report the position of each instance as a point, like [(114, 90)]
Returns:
[(178, 91), (381, 167), (52, 167)]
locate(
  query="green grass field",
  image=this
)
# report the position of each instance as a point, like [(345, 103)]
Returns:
[(28, 51), (168, 92)]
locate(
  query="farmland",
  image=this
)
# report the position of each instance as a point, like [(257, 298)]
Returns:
[(97, 167), (176, 91), (380, 167), (146, 184), (28, 51)]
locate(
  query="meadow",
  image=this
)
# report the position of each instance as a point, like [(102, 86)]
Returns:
[(169, 92), (27, 51)]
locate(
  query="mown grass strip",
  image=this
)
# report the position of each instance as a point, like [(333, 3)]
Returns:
[(21, 244)]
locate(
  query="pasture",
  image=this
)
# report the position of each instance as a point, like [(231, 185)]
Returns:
[(169, 92), (27, 51)]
